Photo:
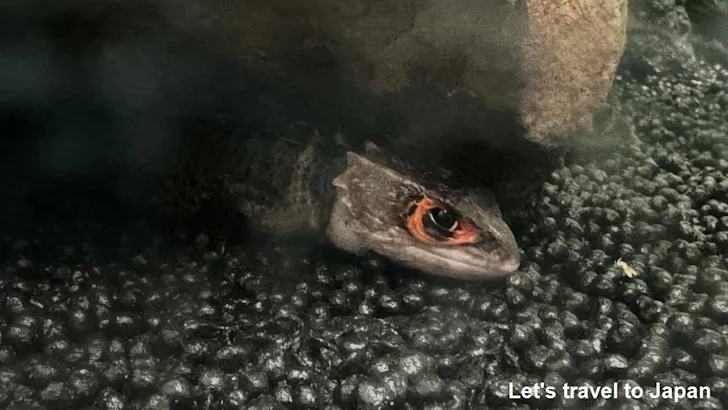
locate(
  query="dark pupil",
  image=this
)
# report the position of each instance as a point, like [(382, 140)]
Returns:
[(443, 218), (440, 223)]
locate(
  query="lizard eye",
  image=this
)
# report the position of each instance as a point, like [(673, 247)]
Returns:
[(442, 218), (436, 223)]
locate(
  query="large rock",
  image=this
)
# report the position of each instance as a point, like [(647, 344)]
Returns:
[(571, 50), (545, 65)]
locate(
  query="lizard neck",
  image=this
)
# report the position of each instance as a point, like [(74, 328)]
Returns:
[(311, 195), (321, 189), (295, 194)]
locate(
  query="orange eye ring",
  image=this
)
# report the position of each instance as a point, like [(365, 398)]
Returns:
[(462, 232)]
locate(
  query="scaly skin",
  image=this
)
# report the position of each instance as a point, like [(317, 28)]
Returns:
[(373, 203)]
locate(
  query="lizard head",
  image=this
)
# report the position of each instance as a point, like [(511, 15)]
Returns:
[(440, 231)]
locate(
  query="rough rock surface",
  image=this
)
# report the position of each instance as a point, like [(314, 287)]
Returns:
[(545, 66), (571, 53)]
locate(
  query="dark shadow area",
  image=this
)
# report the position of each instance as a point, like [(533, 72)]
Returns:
[(107, 99)]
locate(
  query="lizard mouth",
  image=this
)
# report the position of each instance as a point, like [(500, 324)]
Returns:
[(467, 270), (476, 258), (466, 261)]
